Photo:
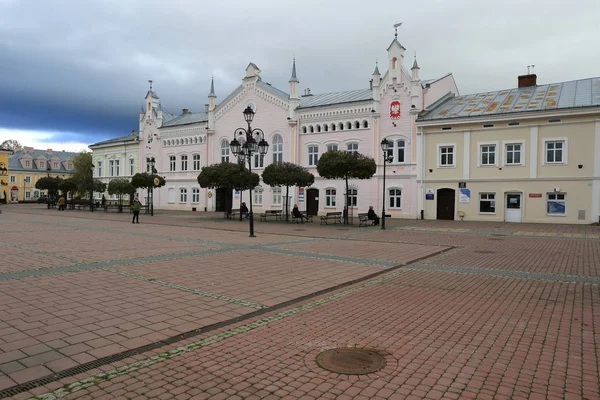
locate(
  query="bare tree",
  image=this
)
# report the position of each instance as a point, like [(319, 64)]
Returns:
[(11, 144)]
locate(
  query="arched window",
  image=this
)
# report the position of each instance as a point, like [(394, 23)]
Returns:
[(303, 129), (341, 126), (395, 198), (186, 141), (365, 124), (400, 150), (332, 127), (348, 125), (277, 149), (184, 162), (224, 151), (195, 140), (311, 129), (318, 128), (352, 147), (177, 142), (325, 128), (332, 147), (258, 195), (356, 125), (394, 61)]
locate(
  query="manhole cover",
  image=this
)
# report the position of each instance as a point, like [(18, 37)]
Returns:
[(351, 361), (484, 252)]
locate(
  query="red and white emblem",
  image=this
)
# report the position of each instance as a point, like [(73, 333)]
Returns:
[(395, 109)]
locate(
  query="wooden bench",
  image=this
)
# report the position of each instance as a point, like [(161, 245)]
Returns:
[(234, 212), (115, 207), (363, 219), (335, 216), (308, 218), (271, 213)]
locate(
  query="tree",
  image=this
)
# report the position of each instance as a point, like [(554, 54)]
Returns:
[(11, 144), (346, 165), (287, 174), (229, 176), (67, 186), (51, 184), (144, 180), (120, 187), (82, 173)]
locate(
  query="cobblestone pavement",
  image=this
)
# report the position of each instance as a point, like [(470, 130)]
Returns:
[(458, 310)]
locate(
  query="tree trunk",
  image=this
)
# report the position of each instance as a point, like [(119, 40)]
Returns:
[(287, 204), (347, 208)]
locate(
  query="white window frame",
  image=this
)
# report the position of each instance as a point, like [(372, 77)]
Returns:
[(27, 163), (353, 144), (276, 191), (13, 179), (563, 200), (505, 144), (111, 167), (225, 151), (184, 162), (481, 198), (330, 197), (439, 155), (258, 195), (117, 167), (396, 154), (195, 195), (196, 162), (55, 166), (183, 195), (171, 195), (43, 164), (313, 157), (99, 165), (70, 166), (480, 146), (277, 148), (395, 196), (131, 166), (172, 163), (329, 145), (27, 179), (565, 151), (28, 194), (259, 161), (352, 195)]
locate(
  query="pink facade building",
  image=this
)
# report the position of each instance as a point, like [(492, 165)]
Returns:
[(299, 129)]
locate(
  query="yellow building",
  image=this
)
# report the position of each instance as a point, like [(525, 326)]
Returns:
[(4, 188), (530, 154), (28, 165)]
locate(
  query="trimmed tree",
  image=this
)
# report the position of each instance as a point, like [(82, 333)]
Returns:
[(67, 186), (346, 165), (120, 187), (51, 184), (229, 176), (287, 174), (144, 180)]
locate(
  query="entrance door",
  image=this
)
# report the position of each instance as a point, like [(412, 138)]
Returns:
[(223, 199), (312, 201), (445, 203), (512, 210)]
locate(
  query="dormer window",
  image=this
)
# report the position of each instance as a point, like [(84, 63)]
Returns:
[(42, 164), (69, 166), (28, 164)]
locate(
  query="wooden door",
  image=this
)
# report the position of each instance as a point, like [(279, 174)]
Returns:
[(312, 201), (445, 203)]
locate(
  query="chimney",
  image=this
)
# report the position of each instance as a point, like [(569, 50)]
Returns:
[(49, 152), (185, 111), (206, 108), (527, 80), (28, 149)]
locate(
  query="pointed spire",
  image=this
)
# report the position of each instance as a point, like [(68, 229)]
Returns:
[(376, 72), (415, 65), (294, 78), (212, 88), (142, 110), (149, 81)]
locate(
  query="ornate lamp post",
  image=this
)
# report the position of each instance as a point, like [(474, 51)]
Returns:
[(48, 169), (151, 162), (3, 172), (249, 149), (385, 145), (92, 166)]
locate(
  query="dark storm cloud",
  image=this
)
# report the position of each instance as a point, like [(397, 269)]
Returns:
[(83, 66)]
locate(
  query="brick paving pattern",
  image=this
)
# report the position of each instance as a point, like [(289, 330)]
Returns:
[(475, 310)]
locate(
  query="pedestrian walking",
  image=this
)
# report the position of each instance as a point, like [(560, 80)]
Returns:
[(137, 206)]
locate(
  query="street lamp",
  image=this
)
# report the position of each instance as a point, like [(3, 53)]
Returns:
[(3, 172), (92, 166), (151, 162), (48, 169), (385, 145), (248, 149)]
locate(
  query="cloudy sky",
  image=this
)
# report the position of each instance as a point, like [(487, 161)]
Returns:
[(73, 72)]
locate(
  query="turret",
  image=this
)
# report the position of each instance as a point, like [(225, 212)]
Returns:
[(294, 97), (415, 70), (376, 76), (396, 57), (212, 103), (375, 82), (415, 88)]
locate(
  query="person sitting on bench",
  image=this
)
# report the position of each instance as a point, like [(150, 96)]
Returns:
[(372, 216), (244, 210), (297, 214)]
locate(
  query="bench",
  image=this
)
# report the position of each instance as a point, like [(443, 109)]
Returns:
[(234, 212), (83, 206), (335, 216), (271, 213), (116, 207), (363, 219), (308, 218)]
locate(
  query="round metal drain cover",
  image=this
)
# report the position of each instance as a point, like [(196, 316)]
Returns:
[(351, 361)]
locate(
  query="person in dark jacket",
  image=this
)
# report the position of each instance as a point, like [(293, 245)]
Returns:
[(137, 206), (297, 214), (372, 216), (244, 210)]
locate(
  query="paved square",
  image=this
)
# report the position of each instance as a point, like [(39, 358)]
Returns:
[(188, 306)]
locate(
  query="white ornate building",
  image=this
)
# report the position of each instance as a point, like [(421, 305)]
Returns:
[(299, 129)]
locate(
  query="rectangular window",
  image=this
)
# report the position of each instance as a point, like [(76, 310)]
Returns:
[(556, 204), (447, 156), (27, 195), (171, 193), (554, 152), (487, 203), (513, 154), (172, 162), (488, 154), (184, 163), (131, 166), (224, 151), (42, 164), (258, 196), (111, 167), (70, 166), (99, 165), (353, 197), (313, 155), (401, 144), (396, 198), (196, 158), (55, 165), (195, 195), (259, 160), (28, 163), (277, 196), (332, 147), (13, 179), (353, 147), (27, 179), (183, 195), (330, 197)]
